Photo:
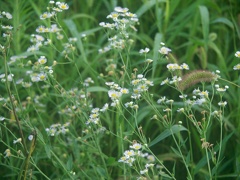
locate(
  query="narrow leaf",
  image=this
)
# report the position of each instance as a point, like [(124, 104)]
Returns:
[(174, 129), (205, 21)]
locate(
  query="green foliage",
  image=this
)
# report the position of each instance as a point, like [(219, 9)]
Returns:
[(92, 100)]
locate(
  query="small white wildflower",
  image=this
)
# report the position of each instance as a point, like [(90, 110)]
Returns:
[(42, 60), (151, 158), (45, 15), (129, 153), (203, 93), (120, 9), (144, 51), (221, 103), (173, 67), (166, 81), (149, 165), (167, 110), (143, 171), (139, 76), (183, 96), (185, 66), (196, 91), (7, 153), (236, 67), (237, 54), (114, 94), (136, 146), (180, 110), (164, 50), (2, 118), (161, 100), (8, 15), (63, 6), (30, 137), (149, 61), (19, 140), (42, 76), (200, 101)]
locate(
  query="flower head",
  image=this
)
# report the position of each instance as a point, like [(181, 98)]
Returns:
[(164, 50), (42, 60), (237, 54), (236, 67), (136, 146), (63, 6)]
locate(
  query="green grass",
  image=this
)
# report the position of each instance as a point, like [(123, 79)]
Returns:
[(203, 34)]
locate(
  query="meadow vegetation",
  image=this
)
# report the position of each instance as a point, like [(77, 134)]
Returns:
[(108, 89)]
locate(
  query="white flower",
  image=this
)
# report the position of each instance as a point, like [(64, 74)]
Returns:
[(185, 66), (149, 165), (236, 67), (221, 103), (129, 153), (180, 110), (144, 171), (114, 94), (161, 100), (2, 118), (30, 137), (144, 51), (173, 67), (42, 60), (136, 146), (164, 82), (17, 140), (164, 50), (120, 9), (63, 6), (8, 15), (237, 54)]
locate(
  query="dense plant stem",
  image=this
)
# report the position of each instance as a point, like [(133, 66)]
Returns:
[(12, 104)]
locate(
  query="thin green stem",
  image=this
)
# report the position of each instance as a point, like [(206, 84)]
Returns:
[(183, 159), (12, 104)]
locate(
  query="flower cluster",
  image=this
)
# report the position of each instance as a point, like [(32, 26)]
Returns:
[(95, 113), (140, 85), (54, 8), (135, 154), (56, 129), (237, 67), (129, 155), (6, 28), (5, 14), (116, 92), (38, 40), (173, 67), (174, 80), (78, 99), (123, 22)]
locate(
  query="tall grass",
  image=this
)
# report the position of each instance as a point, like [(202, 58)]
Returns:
[(161, 101)]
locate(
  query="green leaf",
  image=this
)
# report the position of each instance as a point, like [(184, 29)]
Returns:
[(111, 161), (224, 21), (69, 163), (146, 6), (157, 40), (176, 151), (96, 89), (205, 21), (48, 150), (173, 130)]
